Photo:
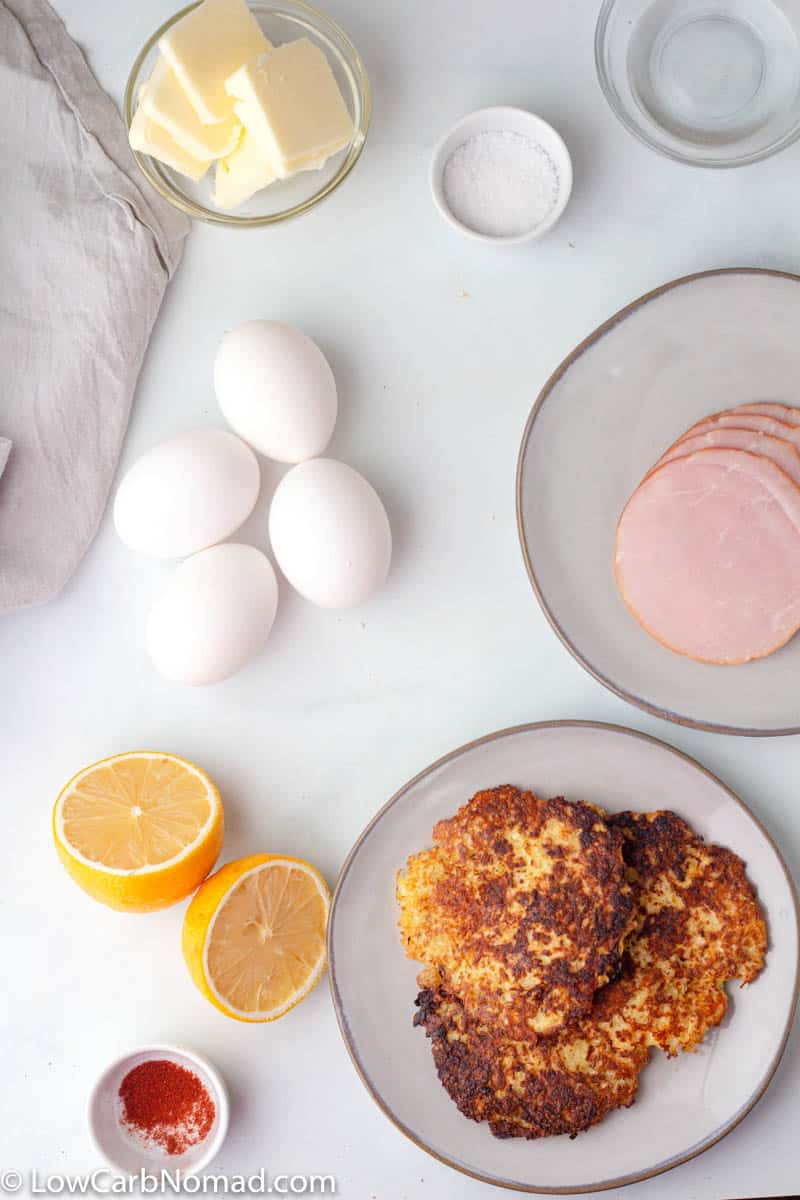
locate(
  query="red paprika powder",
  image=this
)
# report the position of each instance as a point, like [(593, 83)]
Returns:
[(166, 1105)]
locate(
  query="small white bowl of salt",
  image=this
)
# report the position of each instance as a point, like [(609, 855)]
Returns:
[(501, 175)]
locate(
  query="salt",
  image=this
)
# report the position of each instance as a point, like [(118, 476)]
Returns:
[(500, 183)]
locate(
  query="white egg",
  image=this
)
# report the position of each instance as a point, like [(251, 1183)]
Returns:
[(330, 533), (214, 615), (187, 493), (276, 390)]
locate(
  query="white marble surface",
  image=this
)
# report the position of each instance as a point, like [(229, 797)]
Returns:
[(439, 345)]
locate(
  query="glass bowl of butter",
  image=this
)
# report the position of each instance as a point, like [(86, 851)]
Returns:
[(245, 113)]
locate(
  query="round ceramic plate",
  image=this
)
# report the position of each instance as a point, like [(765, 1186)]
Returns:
[(686, 350), (685, 1104)]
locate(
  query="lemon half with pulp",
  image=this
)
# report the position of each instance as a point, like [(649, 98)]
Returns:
[(254, 936), (139, 831)]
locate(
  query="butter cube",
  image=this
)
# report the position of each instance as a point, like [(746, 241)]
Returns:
[(205, 46), (149, 138), (164, 101), (289, 101), (242, 174)]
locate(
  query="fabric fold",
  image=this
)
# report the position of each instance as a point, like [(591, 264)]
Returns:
[(86, 251)]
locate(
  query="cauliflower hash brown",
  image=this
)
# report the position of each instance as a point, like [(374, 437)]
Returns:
[(699, 925), (702, 925), (536, 1086), (520, 909)]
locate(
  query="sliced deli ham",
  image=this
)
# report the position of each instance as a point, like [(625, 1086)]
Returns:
[(708, 556), (766, 408), (741, 420), (783, 454)]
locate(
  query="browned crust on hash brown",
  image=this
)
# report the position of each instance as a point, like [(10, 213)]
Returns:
[(701, 925), (534, 1087), (522, 907)]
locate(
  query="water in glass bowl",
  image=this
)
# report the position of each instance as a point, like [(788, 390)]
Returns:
[(712, 73)]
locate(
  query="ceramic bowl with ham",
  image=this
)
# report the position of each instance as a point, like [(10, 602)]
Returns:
[(658, 501), (708, 546)]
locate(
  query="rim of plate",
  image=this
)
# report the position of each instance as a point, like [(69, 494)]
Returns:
[(344, 1027), (630, 697), (323, 24)]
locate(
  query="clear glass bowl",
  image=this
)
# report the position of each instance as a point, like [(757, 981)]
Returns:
[(714, 83), (288, 197)]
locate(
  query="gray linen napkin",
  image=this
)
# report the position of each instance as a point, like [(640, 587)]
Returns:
[(86, 251)]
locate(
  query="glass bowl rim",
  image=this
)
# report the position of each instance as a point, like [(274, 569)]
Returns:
[(614, 101), (193, 208)]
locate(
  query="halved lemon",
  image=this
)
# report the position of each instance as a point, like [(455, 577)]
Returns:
[(139, 831), (254, 936)]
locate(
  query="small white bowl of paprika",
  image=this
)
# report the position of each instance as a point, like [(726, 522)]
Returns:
[(159, 1108)]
